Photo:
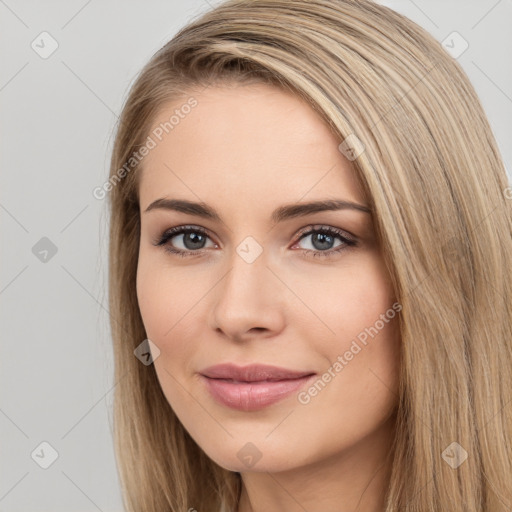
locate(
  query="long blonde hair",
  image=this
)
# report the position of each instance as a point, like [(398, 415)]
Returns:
[(436, 183)]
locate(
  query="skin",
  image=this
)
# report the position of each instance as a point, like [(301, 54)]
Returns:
[(246, 150)]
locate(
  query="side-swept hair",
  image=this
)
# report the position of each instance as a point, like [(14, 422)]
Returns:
[(436, 183)]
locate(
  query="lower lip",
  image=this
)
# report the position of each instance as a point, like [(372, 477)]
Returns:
[(252, 396)]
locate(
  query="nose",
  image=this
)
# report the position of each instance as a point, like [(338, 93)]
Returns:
[(248, 301)]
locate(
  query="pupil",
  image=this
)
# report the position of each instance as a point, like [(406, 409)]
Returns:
[(195, 240), (322, 241)]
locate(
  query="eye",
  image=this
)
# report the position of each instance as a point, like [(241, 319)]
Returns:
[(322, 241), (193, 239)]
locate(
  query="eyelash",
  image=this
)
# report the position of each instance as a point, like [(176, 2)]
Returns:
[(326, 230)]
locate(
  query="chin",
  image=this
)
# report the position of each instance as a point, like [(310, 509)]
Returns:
[(246, 456)]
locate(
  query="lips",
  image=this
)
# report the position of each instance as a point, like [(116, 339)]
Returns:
[(252, 387)]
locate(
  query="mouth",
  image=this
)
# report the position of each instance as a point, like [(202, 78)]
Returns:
[(252, 387), (252, 372)]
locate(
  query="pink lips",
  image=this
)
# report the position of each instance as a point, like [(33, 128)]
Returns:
[(252, 387)]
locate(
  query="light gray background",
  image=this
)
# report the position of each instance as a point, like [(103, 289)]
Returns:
[(57, 120)]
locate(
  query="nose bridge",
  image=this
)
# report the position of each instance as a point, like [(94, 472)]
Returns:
[(247, 276), (247, 296)]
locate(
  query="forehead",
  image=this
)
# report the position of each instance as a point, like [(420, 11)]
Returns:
[(242, 143)]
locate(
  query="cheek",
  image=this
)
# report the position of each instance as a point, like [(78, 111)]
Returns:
[(164, 294), (152, 299), (164, 301), (356, 303), (349, 298)]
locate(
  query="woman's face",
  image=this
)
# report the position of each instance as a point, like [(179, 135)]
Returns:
[(257, 281)]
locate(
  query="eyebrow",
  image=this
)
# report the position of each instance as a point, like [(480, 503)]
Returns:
[(285, 212)]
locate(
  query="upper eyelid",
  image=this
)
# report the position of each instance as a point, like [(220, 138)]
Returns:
[(319, 227)]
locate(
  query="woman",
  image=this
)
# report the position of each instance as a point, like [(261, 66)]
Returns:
[(310, 279)]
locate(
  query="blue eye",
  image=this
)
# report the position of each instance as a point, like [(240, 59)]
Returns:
[(192, 243), (322, 239), (194, 239)]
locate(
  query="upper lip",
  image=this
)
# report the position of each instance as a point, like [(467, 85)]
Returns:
[(252, 372)]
